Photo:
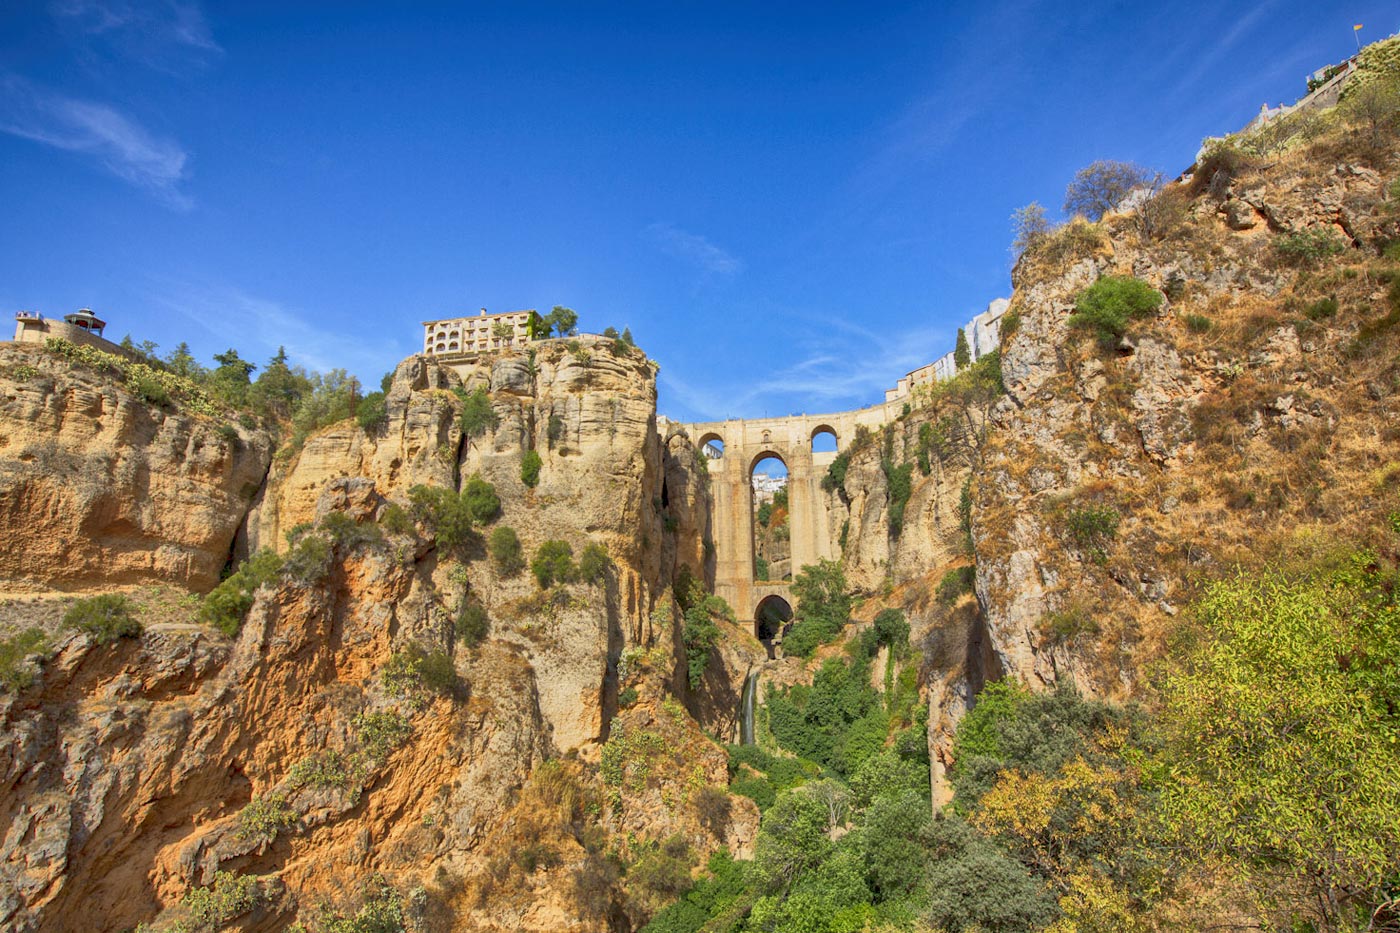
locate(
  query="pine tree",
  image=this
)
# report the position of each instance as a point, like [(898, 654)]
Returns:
[(962, 354)]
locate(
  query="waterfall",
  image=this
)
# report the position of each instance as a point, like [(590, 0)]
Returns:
[(746, 709)]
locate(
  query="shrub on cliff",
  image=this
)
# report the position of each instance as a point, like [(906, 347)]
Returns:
[(15, 671), (480, 499), (593, 564), (1109, 304), (477, 416), (506, 553), (106, 618), (701, 633), (443, 514), (372, 412), (553, 563), (227, 604), (1099, 188), (530, 465)]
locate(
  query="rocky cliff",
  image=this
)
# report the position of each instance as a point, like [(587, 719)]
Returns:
[(350, 746)]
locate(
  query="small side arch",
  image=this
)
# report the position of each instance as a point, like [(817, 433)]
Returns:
[(712, 445), (824, 439)]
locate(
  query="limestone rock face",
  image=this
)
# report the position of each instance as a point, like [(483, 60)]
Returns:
[(135, 766), (99, 488)]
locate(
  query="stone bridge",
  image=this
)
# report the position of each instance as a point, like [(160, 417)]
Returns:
[(745, 443)]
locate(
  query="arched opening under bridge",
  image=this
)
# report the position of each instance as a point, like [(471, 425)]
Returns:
[(824, 439), (770, 621), (772, 532)]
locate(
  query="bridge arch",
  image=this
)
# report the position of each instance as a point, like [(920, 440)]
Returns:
[(812, 533), (767, 453), (825, 439), (712, 446), (771, 618)]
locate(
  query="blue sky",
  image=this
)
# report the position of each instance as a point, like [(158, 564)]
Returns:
[(790, 205)]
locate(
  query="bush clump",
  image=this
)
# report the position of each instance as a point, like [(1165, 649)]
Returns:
[(1306, 247), (264, 817), (472, 623), (1093, 528), (477, 416), (553, 563), (106, 618), (229, 897), (449, 516), (226, 605), (530, 465), (371, 412), (823, 607), (593, 564), (507, 556), (15, 671), (955, 583), (1109, 304)]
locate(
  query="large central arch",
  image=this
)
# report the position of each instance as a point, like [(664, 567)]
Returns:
[(790, 439)]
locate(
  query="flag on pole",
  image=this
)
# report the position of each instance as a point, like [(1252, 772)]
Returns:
[(1357, 27)]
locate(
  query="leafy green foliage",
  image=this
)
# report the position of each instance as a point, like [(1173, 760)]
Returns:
[(1283, 734), (975, 885), (1109, 304), (837, 721), (380, 911), (955, 583), (226, 606), (1307, 247), (264, 818), (477, 416), (823, 607), (443, 513), (472, 623), (1321, 309), (347, 534), (835, 477), (563, 320), (382, 732), (962, 353), (1093, 528), (507, 556), (229, 897), (593, 564), (553, 563), (15, 671), (530, 465), (309, 561), (372, 412), (106, 618), (701, 632), (892, 630), (415, 666), (480, 500)]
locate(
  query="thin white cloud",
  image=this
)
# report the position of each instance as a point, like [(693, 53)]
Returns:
[(694, 249), (118, 143), (841, 366), (1212, 56), (257, 325), (165, 34)]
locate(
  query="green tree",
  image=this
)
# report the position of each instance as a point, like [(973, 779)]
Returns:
[(553, 563), (1283, 728), (372, 412), (280, 388), (701, 632), (480, 499), (477, 416), (563, 320), (593, 563), (962, 353), (182, 362), (627, 337), (446, 515), (504, 548), (530, 465), (1110, 303), (230, 379)]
